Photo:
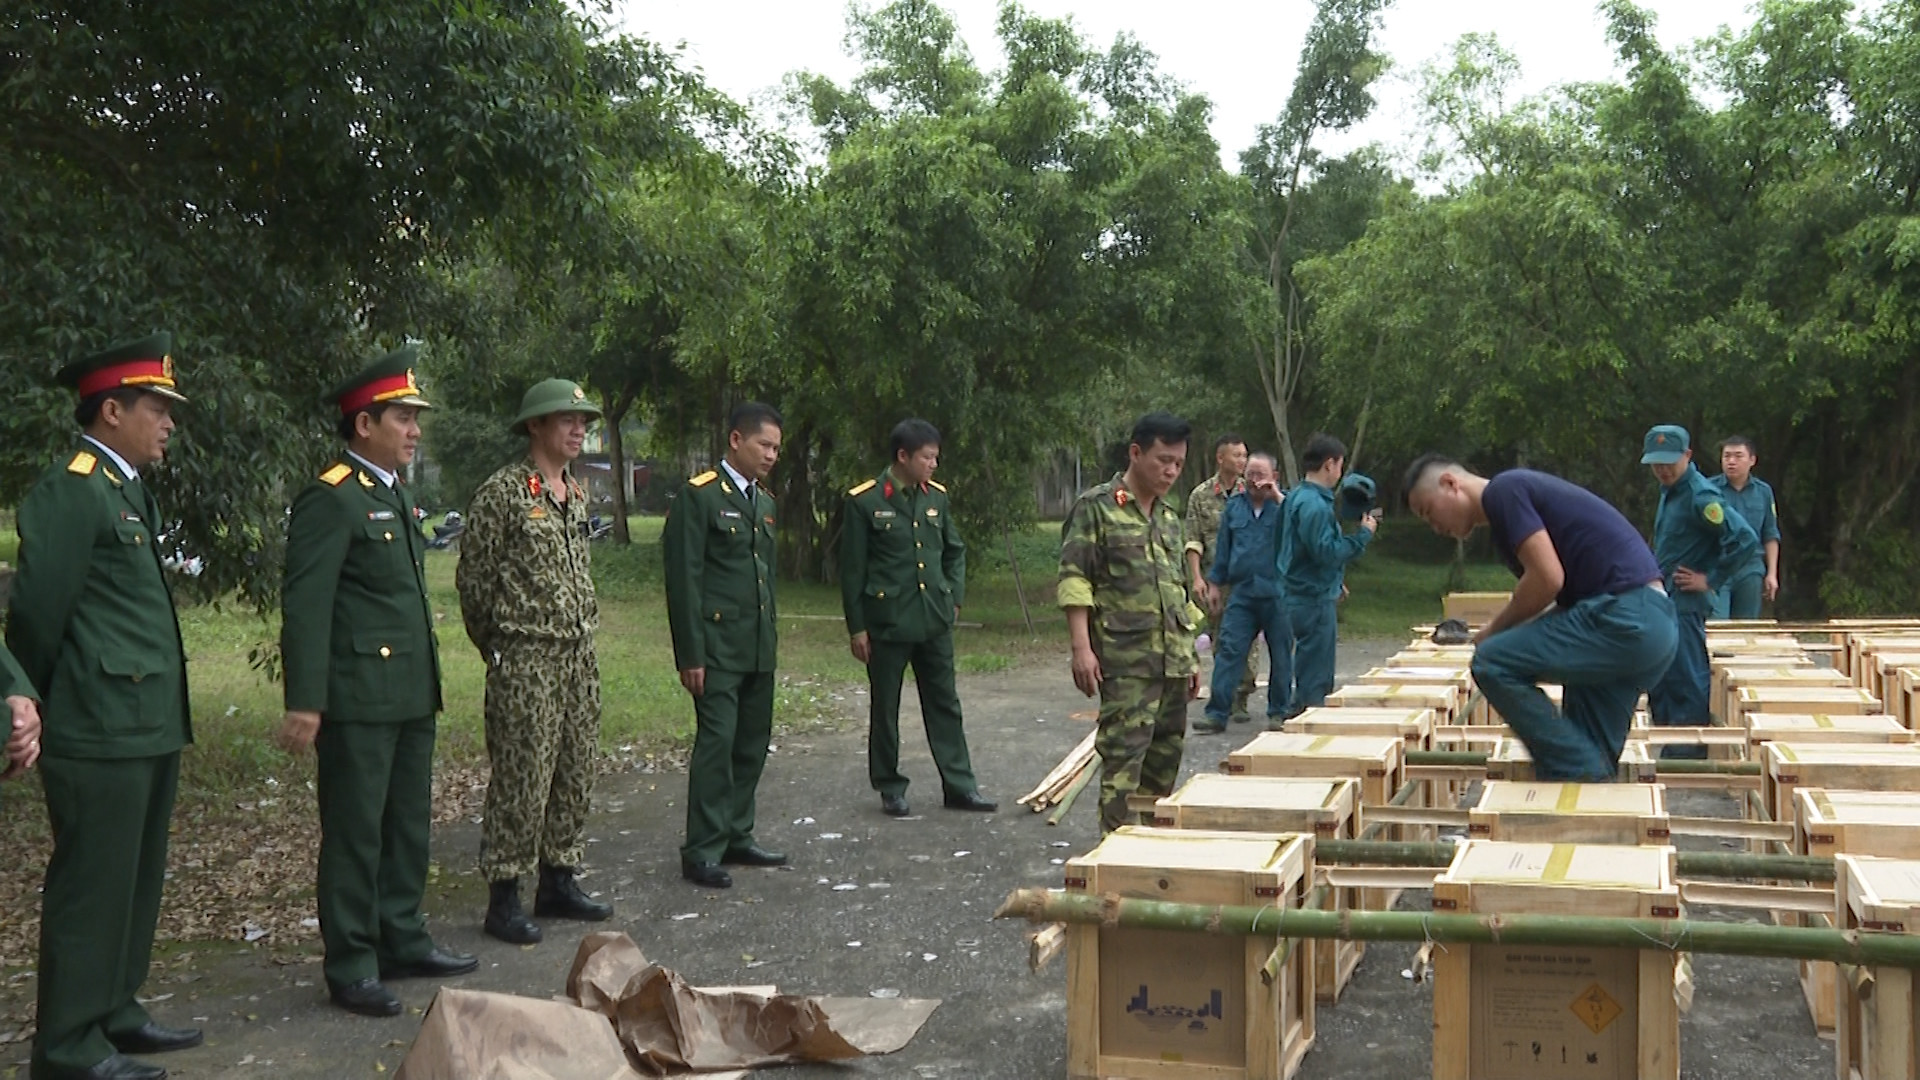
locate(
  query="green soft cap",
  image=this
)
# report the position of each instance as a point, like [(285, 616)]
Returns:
[(553, 396), (142, 364), (1666, 444), (386, 381)]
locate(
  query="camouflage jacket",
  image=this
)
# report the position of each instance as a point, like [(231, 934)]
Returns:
[(1204, 507), (1132, 572), (524, 569)]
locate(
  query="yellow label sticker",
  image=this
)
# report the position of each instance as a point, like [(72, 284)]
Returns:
[(1596, 1008), (1569, 800)]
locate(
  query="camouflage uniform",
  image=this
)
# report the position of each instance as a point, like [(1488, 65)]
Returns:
[(526, 594), (1132, 573), (1204, 507)]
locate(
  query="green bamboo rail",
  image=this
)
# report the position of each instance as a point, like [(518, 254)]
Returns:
[(1699, 864), (1675, 935)]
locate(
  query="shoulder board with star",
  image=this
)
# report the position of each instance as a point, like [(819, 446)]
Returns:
[(83, 464), (703, 479), (861, 488), (937, 486), (337, 475)]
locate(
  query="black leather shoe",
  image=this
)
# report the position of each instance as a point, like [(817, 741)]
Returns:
[(706, 873), (559, 897), (971, 800), (366, 997), (753, 855), (152, 1038), (505, 919), (438, 964), (894, 805), (115, 1067)]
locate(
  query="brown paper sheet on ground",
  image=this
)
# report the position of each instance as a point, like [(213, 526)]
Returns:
[(471, 1035), (671, 1027)]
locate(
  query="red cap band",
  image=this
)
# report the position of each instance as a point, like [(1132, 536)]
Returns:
[(153, 372), (377, 391)]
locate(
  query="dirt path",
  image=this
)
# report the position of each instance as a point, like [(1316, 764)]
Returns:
[(915, 920)]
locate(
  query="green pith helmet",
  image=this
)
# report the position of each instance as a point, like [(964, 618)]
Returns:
[(386, 381), (553, 396), (142, 364)]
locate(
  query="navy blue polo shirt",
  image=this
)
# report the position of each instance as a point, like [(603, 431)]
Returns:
[(1600, 551)]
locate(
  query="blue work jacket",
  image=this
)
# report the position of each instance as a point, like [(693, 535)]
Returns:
[(1247, 550), (1755, 503), (1696, 528), (1314, 553)]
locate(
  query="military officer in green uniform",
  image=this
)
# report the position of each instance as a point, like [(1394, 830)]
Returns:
[(1123, 583), (1205, 504), (903, 577), (526, 596), (719, 549), (362, 674), (92, 623)]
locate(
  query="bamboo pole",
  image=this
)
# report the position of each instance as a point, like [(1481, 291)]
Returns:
[(1674, 935), (1073, 792), (1713, 864)]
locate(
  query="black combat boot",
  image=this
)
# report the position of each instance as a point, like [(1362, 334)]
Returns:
[(505, 920), (559, 897)]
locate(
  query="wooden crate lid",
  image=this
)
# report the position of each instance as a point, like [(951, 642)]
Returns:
[(1742, 675), (1368, 714), (1266, 793), (1866, 723), (1763, 662), (1871, 640), (1422, 651), (1823, 806), (1548, 797), (1888, 659), (1429, 695), (1449, 674), (1594, 866), (1808, 753), (1812, 695), (1192, 849), (1511, 748), (1883, 893), (1296, 744)]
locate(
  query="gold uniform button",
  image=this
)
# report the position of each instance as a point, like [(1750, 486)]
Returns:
[(882, 596), (388, 535), (923, 566), (923, 586), (385, 652)]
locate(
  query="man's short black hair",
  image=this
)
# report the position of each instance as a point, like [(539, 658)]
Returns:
[(1262, 455), (1322, 448), (1739, 440), (1161, 427), (347, 427), (88, 410), (749, 417), (1422, 465), (1229, 439), (912, 436)]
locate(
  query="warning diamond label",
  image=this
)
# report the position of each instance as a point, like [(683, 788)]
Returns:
[(1596, 1008)]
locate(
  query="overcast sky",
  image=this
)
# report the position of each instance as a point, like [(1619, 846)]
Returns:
[(1240, 55)]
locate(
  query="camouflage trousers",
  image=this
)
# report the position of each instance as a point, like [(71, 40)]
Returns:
[(543, 734), (1143, 729)]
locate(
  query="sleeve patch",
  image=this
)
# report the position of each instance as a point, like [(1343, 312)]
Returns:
[(83, 464), (337, 475), (861, 488), (1715, 514), (703, 479)]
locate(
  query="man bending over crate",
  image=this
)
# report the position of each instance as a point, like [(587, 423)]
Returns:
[(1123, 583), (1610, 636)]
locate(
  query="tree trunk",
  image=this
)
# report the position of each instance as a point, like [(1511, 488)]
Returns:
[(616, 406)]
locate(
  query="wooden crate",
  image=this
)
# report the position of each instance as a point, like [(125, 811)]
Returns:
[(1329, 809), (1724, 666), (1485, 714), (1444, 699), (1377, 761), (1835, 766), (1511, 761), (1858, 643), (1413, 727), (1423, 651), (1880, 672), (1504, 1012), (1459, 676), (1875, 1040), (1822, 728), (1909, 699), (1169, 1005), (1830, 823), (1832, 700), (1535, 811), (1772, 677), (1476, 608)]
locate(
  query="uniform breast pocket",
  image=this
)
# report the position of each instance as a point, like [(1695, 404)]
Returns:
[(731, 531), (138, 695), (1128, 558), (386, 545), (1128, 632), (131, 534), (381, 659)]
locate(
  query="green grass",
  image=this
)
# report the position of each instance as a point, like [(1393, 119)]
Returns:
[(1399, 582)]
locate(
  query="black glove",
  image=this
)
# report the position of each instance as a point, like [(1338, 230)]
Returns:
[(1451, 632)]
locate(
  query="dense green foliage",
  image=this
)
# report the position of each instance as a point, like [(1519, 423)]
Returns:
[(1028, 256)]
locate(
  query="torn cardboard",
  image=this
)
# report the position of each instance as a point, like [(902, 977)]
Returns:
[(630, 1018)]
